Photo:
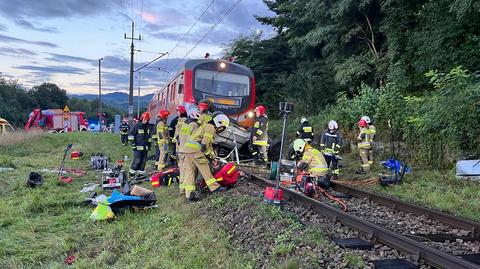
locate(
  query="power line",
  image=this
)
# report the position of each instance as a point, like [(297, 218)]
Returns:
[(208, 32), (191, 27)]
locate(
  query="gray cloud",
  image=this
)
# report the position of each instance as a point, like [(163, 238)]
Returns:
[(55, 8), (16, 51), (53, 69), (28, 25), (9, 39), (3, 27), (62, 58)]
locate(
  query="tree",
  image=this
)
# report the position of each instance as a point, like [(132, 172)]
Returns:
[(49, 95)]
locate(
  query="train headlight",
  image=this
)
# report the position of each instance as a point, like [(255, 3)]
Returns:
[(222, 65), (251, 114)]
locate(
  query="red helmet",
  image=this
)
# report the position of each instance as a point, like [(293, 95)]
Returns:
[(261, 110), (163, 114), (145, 116), (181, 109), (362, 123), (203, 106), (76, 155)]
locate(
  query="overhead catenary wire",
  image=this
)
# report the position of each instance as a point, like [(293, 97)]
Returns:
[(207, 33)]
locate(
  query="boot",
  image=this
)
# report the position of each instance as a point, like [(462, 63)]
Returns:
[(220, 189), (192, 199)]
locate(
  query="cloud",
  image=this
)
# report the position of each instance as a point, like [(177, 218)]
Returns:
[(16, 51), (28, 25), (55, 8), (62, 58), (9, 39), (3, 27), (53, 69)]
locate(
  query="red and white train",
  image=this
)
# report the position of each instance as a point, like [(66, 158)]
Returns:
[(230, 86)]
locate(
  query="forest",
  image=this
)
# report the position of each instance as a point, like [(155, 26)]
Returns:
[(415, 64)]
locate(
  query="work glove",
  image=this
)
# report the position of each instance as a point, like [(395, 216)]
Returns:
[(174, 140), (302, 166)]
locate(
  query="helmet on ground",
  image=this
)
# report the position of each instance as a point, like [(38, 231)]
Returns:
[(303, 120), (163, 114), (362, 123), (261, 110), (332, 125), (181, 109), (34, 180), (299, 145), (76, 155), (366, 119), (145, 116), (221, 122)]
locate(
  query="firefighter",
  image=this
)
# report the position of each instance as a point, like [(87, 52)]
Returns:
[(365, 140), (330, 144), (312, 162), (124, 128), (305, 130), (183, 129), (372, 131), (140, 137), (197, 151), (162, 137), (259, 136)]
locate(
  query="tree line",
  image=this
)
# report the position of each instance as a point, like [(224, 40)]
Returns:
[(413, 64), (16, 102)]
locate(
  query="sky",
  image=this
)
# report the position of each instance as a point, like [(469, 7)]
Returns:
[(61, 41)]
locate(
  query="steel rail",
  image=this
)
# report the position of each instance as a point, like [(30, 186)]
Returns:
[(418, 250), (451, 220)]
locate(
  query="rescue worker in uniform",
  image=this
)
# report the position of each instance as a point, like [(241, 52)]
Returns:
[(183, 130), (140, 137), (196, 153), (259, 136), (305, 130), (162, 137), (124, 128), (372, 131), (330, 144), (311, 161), (365, 141)]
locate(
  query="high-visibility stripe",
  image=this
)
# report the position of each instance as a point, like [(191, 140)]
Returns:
[(154, 136), (260, 143), (370, 162), (220, 179), (130, 137), (231, 170), (322, 145), (155, 183), (141, 131), (208, 136), (189, 187), (365, 165), (256, 125), (211, 181), (307, 129), (193, 145), (259, 132), (140, 147)]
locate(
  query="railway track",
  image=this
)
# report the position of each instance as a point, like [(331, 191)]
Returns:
[(421, 246)]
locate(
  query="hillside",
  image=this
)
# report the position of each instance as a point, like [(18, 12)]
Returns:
[(117, 100)]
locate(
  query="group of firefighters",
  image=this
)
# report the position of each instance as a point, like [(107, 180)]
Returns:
[(189, 140)]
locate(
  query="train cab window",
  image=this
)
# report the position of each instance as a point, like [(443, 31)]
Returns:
[(173, 90), (180, 89)]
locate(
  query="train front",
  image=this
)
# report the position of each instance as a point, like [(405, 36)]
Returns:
[(230, 86)]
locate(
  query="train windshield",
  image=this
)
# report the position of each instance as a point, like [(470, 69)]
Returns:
[(222, 84)]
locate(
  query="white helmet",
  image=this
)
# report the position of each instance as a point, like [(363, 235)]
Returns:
[(367, 119), (332, 125), (303, 120), (299, 145), (221, 120)]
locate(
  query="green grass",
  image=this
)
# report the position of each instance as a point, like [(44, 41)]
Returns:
[(40, 227)]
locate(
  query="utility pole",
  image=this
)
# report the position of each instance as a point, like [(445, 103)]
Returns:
[(100, 94), (138, 105), (130, 94)]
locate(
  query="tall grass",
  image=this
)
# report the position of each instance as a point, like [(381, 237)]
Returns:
[(20, 136)]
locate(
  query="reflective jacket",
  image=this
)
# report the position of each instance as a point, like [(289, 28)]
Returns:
[(317, 166), (201, 139), (305, 131), (161, 133), (260, 131), (330, 143), (124, 128), (140, 136), (366, 137)]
